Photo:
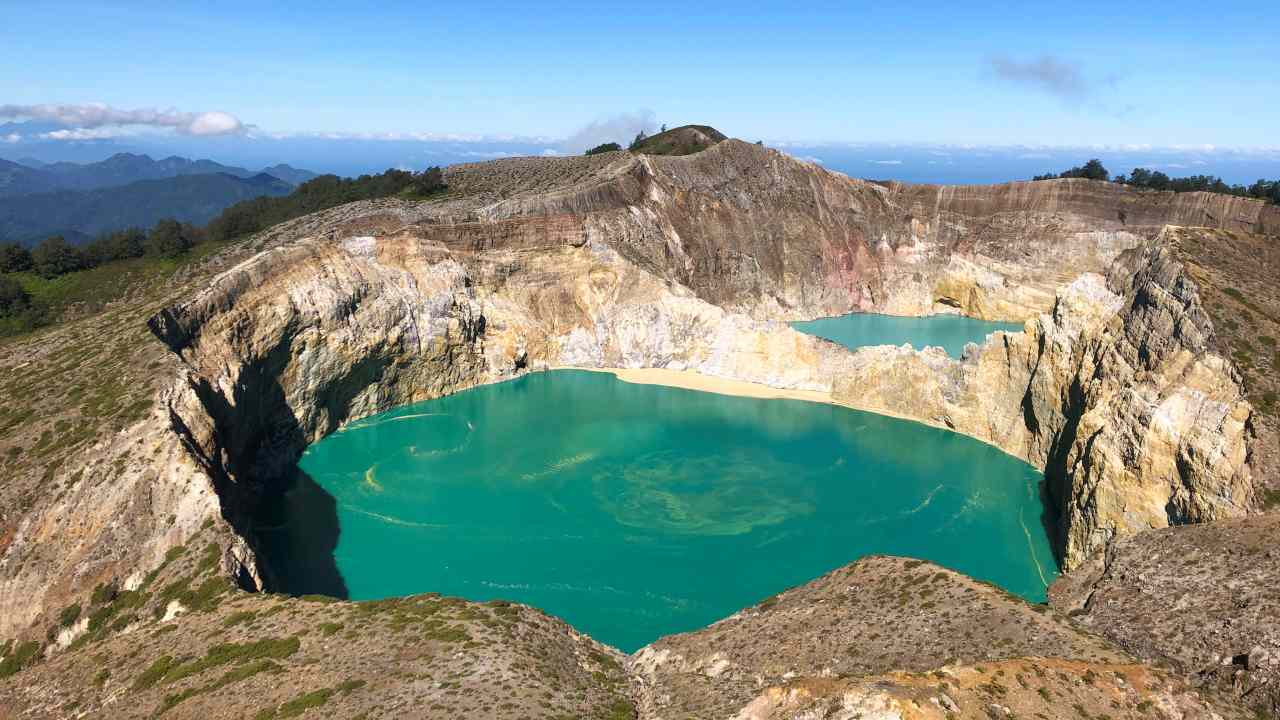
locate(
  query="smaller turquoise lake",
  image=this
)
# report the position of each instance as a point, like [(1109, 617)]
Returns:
[(950, 332), (636, 511)]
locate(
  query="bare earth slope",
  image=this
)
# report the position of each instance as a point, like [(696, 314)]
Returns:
[(1201, 598), (187, 644), (1121, 388), (896, 638), (877, 615)]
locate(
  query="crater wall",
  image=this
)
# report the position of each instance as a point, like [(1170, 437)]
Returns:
[(690, 263)]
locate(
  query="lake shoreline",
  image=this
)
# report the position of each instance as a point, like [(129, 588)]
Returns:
[(699, 382)]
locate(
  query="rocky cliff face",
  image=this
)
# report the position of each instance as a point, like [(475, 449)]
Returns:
[(1115, 393), (1115, 388)]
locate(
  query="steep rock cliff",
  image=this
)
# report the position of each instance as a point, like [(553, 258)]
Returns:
[(1117, 394)]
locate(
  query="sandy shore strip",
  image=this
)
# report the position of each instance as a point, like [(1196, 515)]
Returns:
[(691, 380)]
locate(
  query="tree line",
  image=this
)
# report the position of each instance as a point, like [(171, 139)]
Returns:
[(55, 256), (1266, 190)]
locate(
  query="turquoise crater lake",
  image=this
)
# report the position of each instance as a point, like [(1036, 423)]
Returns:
[(950, 332), (635, 511)]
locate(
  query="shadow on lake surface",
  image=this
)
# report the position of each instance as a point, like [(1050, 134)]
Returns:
[(298, 533)]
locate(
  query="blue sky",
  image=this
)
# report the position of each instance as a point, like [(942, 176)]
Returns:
[(1065, 74)]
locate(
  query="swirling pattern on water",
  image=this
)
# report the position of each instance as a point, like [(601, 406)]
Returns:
[(634, 511)]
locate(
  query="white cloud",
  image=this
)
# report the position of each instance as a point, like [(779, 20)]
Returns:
[(486, 154), (807, 158), (98, 115), (214, 123), (101, 133), (12, 138), (426, 137), (885, 162)]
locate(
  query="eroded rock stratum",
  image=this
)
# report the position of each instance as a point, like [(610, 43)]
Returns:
[(1118, 388)]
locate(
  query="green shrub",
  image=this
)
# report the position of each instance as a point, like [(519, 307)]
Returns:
[(69, 615), (104, 593), (349, 686), (19, 658), (620, 710), (232, 676), (1270, 498), (154, 673), (238, 653), (300, 704), (237, 618)]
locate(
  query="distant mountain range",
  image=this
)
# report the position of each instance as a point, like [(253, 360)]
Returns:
[(79, 215), (121, 169), (79, 201)]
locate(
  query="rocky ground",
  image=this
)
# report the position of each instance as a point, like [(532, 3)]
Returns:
[(185, 643), (1201, 599), (878, 615), (1236, 275), (1044, 688), (884, 637), (134, 456)]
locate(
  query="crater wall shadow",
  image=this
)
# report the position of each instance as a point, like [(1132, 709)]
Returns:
[(290, 521), (297, 530)]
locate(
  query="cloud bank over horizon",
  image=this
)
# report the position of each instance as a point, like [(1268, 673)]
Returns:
[(91, 121), (92, 132), (88, 122)]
